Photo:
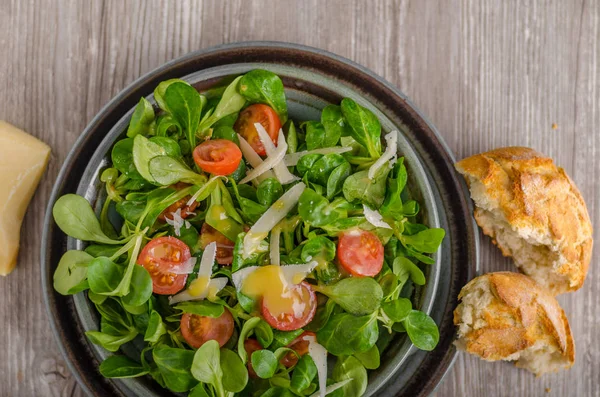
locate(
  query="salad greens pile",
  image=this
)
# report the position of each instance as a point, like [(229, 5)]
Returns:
[(178, 236)]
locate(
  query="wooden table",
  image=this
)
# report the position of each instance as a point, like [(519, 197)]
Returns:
[(487, 73)]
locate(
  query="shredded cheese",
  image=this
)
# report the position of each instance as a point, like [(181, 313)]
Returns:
[(253, 158), (375, 218), (391, 149), (271, 217)]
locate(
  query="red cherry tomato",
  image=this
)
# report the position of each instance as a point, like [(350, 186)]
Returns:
[(161, 256), (197, 330), (209, 234), (258, 113), (218, 156), (292, 321), (186, 210), (251, 345), (300, 346), (360, 253)]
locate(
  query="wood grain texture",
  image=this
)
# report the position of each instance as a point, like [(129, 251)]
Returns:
[(487, 73)]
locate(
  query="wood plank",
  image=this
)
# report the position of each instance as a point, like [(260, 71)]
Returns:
[(487, 74)]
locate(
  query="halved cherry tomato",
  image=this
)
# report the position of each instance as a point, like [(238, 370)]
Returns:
[(300, 346), (209, 234), (304, 293), (186, 210), (161, 256), (197, 330), (218, 156), (251, 345), (258, 113), (360, 253)]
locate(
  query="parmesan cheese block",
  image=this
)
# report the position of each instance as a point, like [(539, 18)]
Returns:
[(23, 160)]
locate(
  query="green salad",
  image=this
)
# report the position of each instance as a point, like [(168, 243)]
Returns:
[(243, 252)]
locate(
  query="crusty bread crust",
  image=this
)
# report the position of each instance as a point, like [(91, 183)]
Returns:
[(508, 316), (520, 191)]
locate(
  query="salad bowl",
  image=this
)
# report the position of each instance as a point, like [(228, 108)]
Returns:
[(312, 79)]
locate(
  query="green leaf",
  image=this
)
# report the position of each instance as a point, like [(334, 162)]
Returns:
[(112, 343), (427, 241), (392, 206), (422, 330), (167, 171), (167, 126), (369, 359), (104, 276), (156, 328), (350, 368), (198, 391), (284, 338), (206, 366), (306, 162), (142, 118), (246, 331), (322, 250), (403, 265), (121, 367), (263, 86), (264, 363), (318, 137), (358, 296), (161, 88), (185, 105), (122, 158), (322, 168), (321, 316), (346, 334), (304, 373), (141, 287), (236, 377), (201, 308), (174, 365), (74, 216), (269, 190), (71, 272), (171, 146), (397, 310), (231, 102), (359, 187), (291, 136), (217, 217), (364, 126), (335, 182), (145, 150), (315, 209), (334, 122)]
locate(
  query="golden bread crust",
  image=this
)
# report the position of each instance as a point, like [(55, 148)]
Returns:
[(537, 198), (521, 314)]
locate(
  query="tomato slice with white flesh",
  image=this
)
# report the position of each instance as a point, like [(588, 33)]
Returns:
[(300, 346), (302, 312), (218, 156), (360, 253), (258, 113), (162, 257), (186, 210), (197, 330), (251, 345), (209, 234)]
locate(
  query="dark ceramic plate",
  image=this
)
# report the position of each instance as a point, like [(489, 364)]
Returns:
[(312, 78)]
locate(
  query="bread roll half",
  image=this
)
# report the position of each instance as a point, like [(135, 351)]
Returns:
[(533, 212), (508, 316)]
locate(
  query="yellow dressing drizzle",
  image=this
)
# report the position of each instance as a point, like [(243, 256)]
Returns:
[(199, 286), (268, 283)]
